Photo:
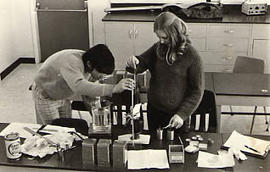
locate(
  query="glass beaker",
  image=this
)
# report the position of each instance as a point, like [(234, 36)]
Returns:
[(101, 119)]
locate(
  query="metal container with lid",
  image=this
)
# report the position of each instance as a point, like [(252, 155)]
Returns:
[(13, 146)]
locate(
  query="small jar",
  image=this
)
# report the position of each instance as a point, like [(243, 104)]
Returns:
[(170, 134)]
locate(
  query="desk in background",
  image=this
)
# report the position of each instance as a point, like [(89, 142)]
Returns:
[(241, 89)]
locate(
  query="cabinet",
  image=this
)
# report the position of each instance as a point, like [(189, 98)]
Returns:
[(128, 38), (261, 44), (224, 42), (218, 43)]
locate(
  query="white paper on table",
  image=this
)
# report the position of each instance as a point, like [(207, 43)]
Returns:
[(238, 141), (18, 128), (141, 159), (39, 146), (143, 138), (208, 160)]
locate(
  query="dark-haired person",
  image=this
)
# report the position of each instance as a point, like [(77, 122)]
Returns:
[(177, 76), (72, 72)]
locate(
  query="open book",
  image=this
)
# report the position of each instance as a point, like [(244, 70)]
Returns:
[(248, 144)]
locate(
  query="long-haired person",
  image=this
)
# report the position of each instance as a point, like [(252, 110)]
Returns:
[(177, 76)]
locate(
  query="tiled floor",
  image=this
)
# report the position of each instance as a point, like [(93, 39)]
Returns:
[(16, 104)]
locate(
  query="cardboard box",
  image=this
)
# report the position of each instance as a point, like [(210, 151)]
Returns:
[(89, 149), (104, 153), (119, 154)]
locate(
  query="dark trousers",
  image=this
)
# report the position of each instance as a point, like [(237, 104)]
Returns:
[(158, 119)]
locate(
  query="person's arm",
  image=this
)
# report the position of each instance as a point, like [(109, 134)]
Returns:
[(72, 73), (145, 60), (196, 87)]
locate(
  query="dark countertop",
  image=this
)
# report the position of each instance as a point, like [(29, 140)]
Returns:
[(231, 14)]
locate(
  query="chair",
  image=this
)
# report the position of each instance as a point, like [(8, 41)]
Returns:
[(121, 103), (204, 119), (80, 125), (79, 106), (245, 64)]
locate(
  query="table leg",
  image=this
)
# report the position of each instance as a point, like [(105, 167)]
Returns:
[(218, 110)]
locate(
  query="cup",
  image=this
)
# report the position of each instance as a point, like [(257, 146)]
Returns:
[(170, 134)]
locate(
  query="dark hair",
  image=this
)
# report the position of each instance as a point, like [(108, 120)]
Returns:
[(101, 59)]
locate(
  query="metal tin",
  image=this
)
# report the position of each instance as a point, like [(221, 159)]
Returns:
[(13, 146), (170, 134)]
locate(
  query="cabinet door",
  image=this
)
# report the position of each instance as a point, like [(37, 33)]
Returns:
[(119, 38), (261, 50), (221, 37), (229, 30), (219, 61), (144, 37), (197, 35), (261, 31), (226, 44)]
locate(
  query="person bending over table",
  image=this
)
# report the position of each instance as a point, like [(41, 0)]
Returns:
[(73, 72), (177, 76)]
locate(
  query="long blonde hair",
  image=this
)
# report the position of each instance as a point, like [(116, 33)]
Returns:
[(177, 31)]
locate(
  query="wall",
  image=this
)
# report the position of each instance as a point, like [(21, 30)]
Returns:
[(95, 15), (15, 31)]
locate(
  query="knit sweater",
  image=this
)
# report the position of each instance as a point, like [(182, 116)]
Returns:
[(176, 88), (62, 75)]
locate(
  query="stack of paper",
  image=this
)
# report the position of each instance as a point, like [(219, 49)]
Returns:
[(141, 159), (208, 160), (248, 144)]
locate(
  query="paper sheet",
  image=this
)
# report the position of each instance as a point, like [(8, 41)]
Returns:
[(239, 141), (143, 139), (141, 159), (18, 127), (208, 160), (38, 146)]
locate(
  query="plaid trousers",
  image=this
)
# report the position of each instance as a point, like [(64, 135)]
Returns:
[(48, 109)]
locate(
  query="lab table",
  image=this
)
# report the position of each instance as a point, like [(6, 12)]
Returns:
[(73, 157)]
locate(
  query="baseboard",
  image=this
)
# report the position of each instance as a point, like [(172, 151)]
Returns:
[(15, 64)]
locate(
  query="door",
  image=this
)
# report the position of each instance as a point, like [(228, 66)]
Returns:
[(63, 24)]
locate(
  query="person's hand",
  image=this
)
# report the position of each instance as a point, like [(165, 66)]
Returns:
[(132, 62), (124, 84), (176, 121)]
